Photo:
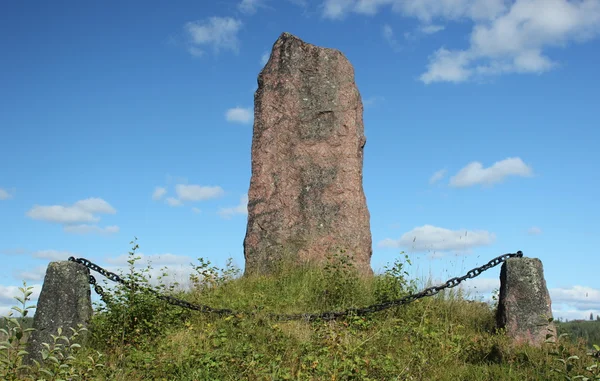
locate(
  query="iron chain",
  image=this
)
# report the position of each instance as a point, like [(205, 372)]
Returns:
[(330, 315)]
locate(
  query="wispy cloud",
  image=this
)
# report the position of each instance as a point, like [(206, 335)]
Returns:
[(172, 201), (515, 40), (240, 115), (8, 293), (431, 29), (197, 192), (155, 259), (580, 297), (507, 36), (91, 229), (437, 176), (34, 275), (474, 173), (4, 194), (191, 193), (81, 211), (481, 285), (250, 6), (76, 218), (241, 208), (265, 58), (218, 32), (534, 230), (436, 239), (372, 101), (158, 193), (388, 36), (53, 255)]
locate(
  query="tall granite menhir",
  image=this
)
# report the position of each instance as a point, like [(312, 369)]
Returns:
[(306, 199)]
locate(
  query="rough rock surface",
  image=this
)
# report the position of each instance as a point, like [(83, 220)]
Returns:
[(524, 305), (306, 198), (65, 301)]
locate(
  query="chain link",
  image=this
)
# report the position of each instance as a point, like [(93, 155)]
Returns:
[(330, 315)]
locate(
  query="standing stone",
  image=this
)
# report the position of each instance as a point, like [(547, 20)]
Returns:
[(524, 305), (306, 199), (65, 301)]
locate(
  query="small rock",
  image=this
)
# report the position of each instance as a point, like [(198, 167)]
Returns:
[(65, 301), (524, 305)]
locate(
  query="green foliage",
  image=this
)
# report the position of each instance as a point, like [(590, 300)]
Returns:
[(13, 344), (338, 285), (394, 283), (58, 358), (587, 330), (568, 361), (132, 314), (443, 337)]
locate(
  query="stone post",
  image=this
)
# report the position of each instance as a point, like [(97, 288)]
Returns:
[(524, 305), (65, 301)]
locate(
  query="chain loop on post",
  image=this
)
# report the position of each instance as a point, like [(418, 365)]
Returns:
[(330, 315)]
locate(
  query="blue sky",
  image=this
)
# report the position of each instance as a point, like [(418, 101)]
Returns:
[(123, 119)]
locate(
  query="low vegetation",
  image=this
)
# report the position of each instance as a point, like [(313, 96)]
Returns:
[(134, 336)]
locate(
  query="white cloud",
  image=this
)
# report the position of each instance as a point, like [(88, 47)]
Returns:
[(4, 194), (336, 9), (432, 238), (197, 192), (196, 210), (424, 10), (474, 173), (428, 10), (569, 314), (250, 6), (239, 115), (265, 58), (388, 35), (480, 285), (35, 274), (431, 29), (178, 267), (372, 101), (437, 176), (7, 293), (17, 251), (512, 40), (90, 229), (220, 32), (241, 208), (155, 259), (534, 230), (172, 201), (447, 66), (81, 211), (53, 255), (158, 193), (579, 297), (507, 36)]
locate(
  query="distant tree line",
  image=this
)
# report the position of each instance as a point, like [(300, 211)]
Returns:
[(588, 330)]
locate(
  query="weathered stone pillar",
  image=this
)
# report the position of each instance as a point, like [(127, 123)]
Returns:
[(65, 301), (306, 199), (524, 305)]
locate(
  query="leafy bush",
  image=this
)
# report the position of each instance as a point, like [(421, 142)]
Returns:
[(58, 357)]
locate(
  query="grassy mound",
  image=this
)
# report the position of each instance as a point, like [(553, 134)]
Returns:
[(135, 336)]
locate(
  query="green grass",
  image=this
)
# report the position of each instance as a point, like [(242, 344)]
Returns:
[(445, 337)]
